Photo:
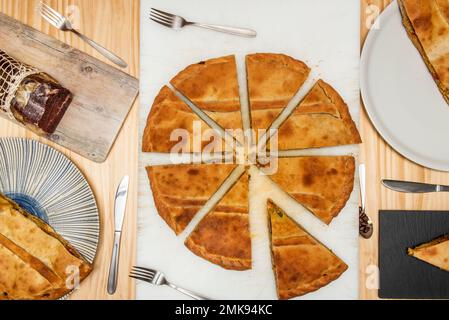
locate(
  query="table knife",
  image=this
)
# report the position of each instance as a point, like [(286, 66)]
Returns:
[(413, 187), (120, 207)]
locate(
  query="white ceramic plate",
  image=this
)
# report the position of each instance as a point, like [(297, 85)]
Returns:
[(401, 97)]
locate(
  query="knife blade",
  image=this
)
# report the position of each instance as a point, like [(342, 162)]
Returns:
[(121, 199), (413, 187)]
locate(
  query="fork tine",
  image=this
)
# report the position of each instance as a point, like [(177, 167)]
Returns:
[(49, 15), (146, 272), (165, 19), (163, 23), (149, 278), (141, 274), (162, 20), (49, 19), (44, 8), (155, 13), (57, 17), (56, 13), (144, 269), (139, 278), (164, 13)]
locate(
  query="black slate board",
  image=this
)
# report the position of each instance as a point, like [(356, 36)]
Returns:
[(402, 276)]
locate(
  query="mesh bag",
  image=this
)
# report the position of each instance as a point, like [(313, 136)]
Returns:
[(12, 73)]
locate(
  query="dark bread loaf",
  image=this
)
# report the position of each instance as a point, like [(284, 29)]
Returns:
[(39, 102)]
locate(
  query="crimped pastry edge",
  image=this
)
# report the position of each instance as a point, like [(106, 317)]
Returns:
[(289, 63), (332, 274), (346, 190), (343, 108), (162, 209), (224, 262), (193, 69)]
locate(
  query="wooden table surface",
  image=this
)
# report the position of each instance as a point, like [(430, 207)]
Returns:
[(115, 25), (383, 162)]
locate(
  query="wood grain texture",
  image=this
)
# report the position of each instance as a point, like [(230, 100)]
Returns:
[(115, 25), (383, 162), (102, 95)]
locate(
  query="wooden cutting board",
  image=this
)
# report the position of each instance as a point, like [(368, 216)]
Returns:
[(385, 163), (103, 95), (402, 276)]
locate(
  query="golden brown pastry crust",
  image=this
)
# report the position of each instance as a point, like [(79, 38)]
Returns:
[(170, 113), (273, 81), (427, 24), (30, 260), (20, 281), (435, 252), (213, 86), (301, 263), (321, 184), (223, 236), (40, 248), (322, 119), (180, 191)]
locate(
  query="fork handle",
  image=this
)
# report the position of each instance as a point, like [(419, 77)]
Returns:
[(105, 52), (243, 32), (187, 292)]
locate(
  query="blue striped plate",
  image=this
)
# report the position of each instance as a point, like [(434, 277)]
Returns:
[(47, 184)]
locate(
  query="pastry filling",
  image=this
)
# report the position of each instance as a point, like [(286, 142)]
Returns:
[(430, 244)]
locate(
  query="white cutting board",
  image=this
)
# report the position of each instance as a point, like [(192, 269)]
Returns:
[(325, 34)]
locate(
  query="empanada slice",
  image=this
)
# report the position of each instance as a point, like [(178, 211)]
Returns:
[(223, 236), (435, 252), (21, 281), (172, 127), (273, 81), (41, 248), (180, 191), (322, 119), (301, 263), (321, 184), (213, 86)]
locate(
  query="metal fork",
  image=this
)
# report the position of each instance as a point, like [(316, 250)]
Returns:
[(62, 23), (176, 22), (158, 279)]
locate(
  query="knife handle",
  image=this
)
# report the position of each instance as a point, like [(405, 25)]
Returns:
[(113, 269)]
